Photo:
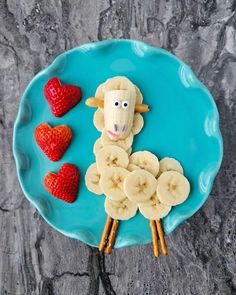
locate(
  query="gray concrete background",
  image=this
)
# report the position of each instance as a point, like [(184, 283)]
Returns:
[(34, 258)]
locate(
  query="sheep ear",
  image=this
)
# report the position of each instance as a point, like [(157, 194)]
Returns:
[(137, 123), (94, 102), (141, 108)]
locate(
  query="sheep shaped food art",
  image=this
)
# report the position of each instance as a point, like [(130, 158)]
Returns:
[(130, 181)]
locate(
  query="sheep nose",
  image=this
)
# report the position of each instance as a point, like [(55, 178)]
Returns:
[(115, 127), (123, 128)]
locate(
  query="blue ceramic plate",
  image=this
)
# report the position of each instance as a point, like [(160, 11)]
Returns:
[(183, 123)]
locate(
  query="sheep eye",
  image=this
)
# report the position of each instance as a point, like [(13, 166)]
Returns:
[(117, 104), (125, 104)]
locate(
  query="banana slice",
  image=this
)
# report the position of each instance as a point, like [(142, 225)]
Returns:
[(137, 123), (140, 185), (153, 209), (111, 182), (129, 151), (139, 96), (122, 210), (111, 156), (98, 120), (97, 146), (132, 167), (99, 92), (172, 188), (145, 160), (92, 178), (170, 164), (123, 143), (118, 83)]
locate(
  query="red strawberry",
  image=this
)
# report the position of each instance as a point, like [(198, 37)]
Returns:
[(53, 141), (61, 98), (63, 185)]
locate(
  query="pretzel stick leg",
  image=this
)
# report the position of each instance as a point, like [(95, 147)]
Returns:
[(105, 233), (112, 236), (154, 238), (161, 237)]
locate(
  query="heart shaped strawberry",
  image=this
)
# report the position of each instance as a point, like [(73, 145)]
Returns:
[(63, 185), (61, 98), (53, 141)]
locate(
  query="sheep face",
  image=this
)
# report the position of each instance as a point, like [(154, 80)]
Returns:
[(119, 108)]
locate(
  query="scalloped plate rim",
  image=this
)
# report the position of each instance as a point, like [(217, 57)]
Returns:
[(140, 240)]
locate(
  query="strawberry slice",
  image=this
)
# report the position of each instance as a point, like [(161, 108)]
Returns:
[(61, 98), (53, 141), (63, 185)]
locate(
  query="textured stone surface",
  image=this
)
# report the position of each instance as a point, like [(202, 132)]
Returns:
[(203, 249)]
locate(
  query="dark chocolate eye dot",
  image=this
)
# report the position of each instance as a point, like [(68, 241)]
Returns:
[(117, 104), (125, 104)]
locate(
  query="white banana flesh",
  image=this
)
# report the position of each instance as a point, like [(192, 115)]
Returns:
[(170, 164), (97, 146), (140, 185), (132, 167), (119, 108), (153, 209), (111, 156), (121, 210), (172, 188), (98, 120), (123, 143), (111, 182), (145, 160), (92, 179), (138, 123)]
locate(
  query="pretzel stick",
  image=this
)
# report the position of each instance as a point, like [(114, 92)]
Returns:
[(105, 233), (154, 238), (99, 103), (94, 102), (161, 237), (112, 236), (141, 108)]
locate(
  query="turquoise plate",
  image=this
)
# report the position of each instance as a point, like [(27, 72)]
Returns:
[(183, 123)]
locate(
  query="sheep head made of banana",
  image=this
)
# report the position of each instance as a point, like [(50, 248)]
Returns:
[(119, 107)]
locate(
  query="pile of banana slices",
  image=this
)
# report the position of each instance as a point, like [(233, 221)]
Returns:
[(136, 181), (131, 181)]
